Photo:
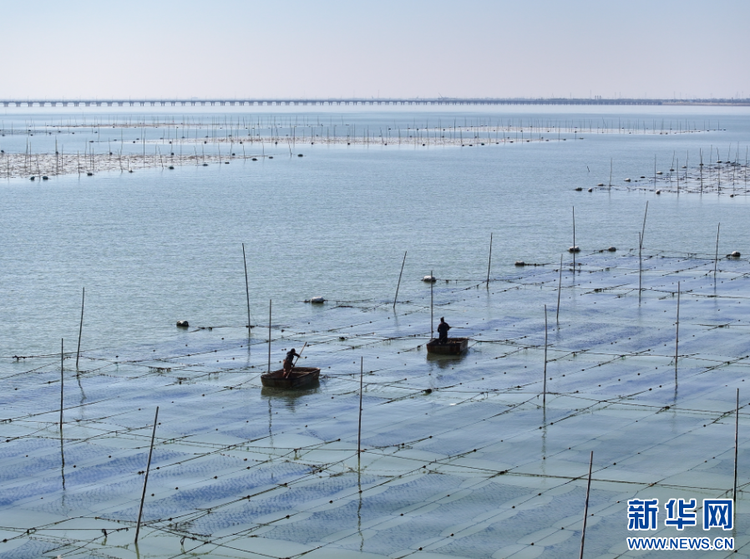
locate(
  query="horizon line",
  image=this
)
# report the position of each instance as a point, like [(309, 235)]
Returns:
[(440, 100)]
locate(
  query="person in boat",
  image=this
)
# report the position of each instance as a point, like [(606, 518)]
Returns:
[(442, 329), (289, 362)]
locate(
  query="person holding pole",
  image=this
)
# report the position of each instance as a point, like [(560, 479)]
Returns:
[(289, 362)]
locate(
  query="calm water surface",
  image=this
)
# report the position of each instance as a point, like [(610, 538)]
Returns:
[(158, 246)]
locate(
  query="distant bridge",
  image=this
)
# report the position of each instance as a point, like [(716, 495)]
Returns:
[(270, 102)]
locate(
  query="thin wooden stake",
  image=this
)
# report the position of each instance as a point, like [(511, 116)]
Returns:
[(270, 304), (716, 257), (398, 285), (432, 319), (736, 447), (586, 507), (640, 267), (80, 328), (574, 239), (247, 290), (361, 385), (643, 229), (544, 388), (677, 333), (489, 263), (145, 479), (559, 291), (62, 379)]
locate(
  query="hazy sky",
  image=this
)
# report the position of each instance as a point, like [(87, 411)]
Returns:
[(374, 48)]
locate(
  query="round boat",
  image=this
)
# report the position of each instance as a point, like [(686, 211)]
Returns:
[(301, 377)]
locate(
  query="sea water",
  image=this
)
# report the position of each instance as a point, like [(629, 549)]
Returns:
[(159, 245)]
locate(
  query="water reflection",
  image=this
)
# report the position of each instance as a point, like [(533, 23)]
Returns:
[(288, 398), (445, 361)]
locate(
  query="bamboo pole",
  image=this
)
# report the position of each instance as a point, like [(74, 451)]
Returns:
[(489, 263), (559, 291), (361, 385), (432, 304), (677, 333), (80, 328), (544, 388), (398, 285), (716, 257), (270, 304), (62, 378), (145, 479), (586, 507), (574, 239), (640, 267), (736, 447), (247, 290)]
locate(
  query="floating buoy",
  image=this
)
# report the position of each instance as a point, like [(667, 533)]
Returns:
[(574, 249), (299, 155), (627, 180), (171, 167), (659, 173), (579, 188), (429, 279), (600, 184), (182, 324), (658, 191), (45, 178), (317, 300), (735, 254), (591, 189), (612, 249), (32, 178), (520, 263)]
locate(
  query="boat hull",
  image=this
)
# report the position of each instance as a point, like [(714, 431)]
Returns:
[(454, 346), (301, 377)]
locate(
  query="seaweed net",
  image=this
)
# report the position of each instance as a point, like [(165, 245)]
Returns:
[(460, 457)]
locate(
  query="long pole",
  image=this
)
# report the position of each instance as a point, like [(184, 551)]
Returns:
[(736, 447), (247, 288), (361, 385), (677, 333), (80, 328), (586, 507), (270, 304), (574, 239), (489, 262), (145, 479), (716, 257), (559, 290), (62, 379), (641, 237), (432, 320), (544, 389), (398, 285)]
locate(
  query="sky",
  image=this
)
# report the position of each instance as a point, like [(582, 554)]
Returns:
[(105, 49)]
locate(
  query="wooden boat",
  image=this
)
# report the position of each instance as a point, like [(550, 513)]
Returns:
[(301, 377), (454, 346)]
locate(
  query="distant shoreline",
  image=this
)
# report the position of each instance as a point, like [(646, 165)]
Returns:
[(358, 101)]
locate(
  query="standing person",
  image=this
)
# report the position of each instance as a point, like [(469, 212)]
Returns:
[(289, 362), (442, 329)]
